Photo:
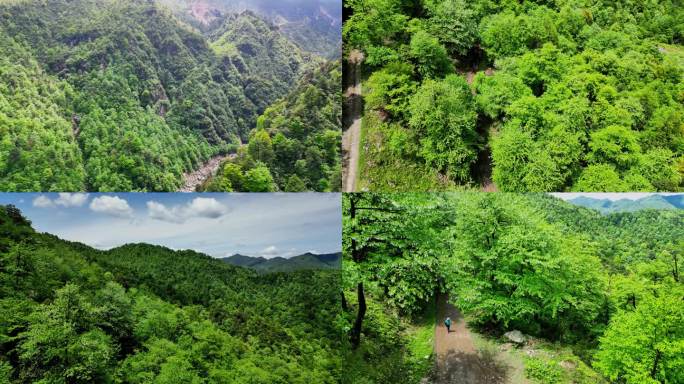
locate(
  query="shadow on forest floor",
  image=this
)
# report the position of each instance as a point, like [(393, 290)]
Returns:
[(469, 368)]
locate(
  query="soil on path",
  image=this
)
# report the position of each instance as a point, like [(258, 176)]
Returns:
[(195, 178), (351, 138), (458, 361)]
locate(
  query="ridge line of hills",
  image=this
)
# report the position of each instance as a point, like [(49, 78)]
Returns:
[(655, 201), (281, 264), (305, 261)]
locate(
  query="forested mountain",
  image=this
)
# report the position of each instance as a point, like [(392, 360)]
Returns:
[(111, 95), (282, 264), (141, 313), (623, 205), (313, 24), (582, 95), (600, 295), (296, 144)]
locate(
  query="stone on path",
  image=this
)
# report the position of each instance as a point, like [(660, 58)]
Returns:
[(515, 336)]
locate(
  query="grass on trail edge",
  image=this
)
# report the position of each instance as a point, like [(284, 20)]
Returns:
[(421, 335), (382, 171)]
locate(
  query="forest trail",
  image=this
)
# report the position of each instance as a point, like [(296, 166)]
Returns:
[(458, 361), (195, 178), (459, 339), (351, 138)]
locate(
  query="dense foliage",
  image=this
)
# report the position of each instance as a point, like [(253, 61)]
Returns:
[(142, 313), (609, 286), (568, 95), (110, 95), (296, 144)]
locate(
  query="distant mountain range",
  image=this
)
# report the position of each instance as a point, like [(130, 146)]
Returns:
[(281, 264), (315, 25), (627, 205)]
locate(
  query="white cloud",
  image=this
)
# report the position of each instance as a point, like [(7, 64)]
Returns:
[(207, 207), (269, 251), (71, 199), (159, 211), (64, 199), (111, 205), (42, 201), (199, 207)]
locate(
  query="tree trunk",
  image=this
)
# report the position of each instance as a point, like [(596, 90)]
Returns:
[(356, 330), (675, 273), (355, 335), (654, 370), (345, 306)]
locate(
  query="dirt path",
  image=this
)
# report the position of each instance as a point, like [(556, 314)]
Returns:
[(351, 141), (458, 361), (351, 138), (459, 338), (195, 178)]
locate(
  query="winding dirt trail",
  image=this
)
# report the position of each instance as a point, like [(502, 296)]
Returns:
[(458, 361), (351, 138), (195, 178)]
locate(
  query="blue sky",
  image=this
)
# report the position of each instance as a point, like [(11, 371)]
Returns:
[(608, 196), (218, 224)]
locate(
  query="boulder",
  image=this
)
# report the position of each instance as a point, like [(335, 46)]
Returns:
[(515, 336)]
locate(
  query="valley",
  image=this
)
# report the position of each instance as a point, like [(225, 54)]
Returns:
[(192, 180), (130, 96)]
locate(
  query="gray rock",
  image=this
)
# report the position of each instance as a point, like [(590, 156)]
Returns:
[(515, 336)]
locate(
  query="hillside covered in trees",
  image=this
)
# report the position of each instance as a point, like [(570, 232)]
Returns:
[(141, 313), (107, 95), (598, 297), (296, 144), (520, 96)]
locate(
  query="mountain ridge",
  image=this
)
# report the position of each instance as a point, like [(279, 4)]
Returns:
[(306, 260), (654, 201), (314, 25)]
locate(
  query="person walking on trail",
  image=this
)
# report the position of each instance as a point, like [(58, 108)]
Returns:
[(447, 323)]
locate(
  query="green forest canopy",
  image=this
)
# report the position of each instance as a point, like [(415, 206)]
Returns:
[(106, 95), (609, 286), (141, 313), (296, 144), (580, 95)]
